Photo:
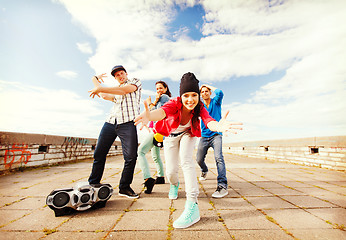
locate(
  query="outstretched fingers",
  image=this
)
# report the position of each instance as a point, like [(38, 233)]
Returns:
[(235, 125), (102, 76), (139, 120), (143, 117), (92, 94), (146, 106)]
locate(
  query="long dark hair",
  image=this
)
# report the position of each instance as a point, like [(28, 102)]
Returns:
[(165, 86), (197, 110)]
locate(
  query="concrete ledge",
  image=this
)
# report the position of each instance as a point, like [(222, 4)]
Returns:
[(325, 152), (20, 150)]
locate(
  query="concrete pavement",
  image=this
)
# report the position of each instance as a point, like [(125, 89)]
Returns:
[(267, 200)]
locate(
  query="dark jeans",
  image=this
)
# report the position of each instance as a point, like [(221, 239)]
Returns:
[(127, 133), (215, 142)]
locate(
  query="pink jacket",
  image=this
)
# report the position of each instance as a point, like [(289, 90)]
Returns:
[(172, 120)]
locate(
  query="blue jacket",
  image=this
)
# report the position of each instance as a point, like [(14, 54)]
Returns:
[(214, 111)]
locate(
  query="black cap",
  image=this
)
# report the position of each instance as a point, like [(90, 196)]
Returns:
[(116, 69), (189, 83)]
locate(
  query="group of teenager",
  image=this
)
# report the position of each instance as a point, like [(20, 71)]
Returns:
[(177, 121)]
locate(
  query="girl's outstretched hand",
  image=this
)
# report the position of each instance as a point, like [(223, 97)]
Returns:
[(143, 117), (227, 126)]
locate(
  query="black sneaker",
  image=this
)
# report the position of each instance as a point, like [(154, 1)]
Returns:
[(128, 192), (203, 176), (160, 180), (149, 184)]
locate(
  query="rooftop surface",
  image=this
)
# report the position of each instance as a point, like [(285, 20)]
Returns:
[(266, 200)]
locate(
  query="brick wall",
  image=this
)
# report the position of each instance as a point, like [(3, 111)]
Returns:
[(325, 152), (18, 150)]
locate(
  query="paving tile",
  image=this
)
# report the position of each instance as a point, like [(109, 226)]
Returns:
[(144, 220), (232, 203), (151, 204), (269, 203), (5, 201), (335, 199), (296, 219), (93, 220), (246, 219), (8, 216), (327, 185), (334, 215), (340, 190), (240, 185), (116, 203), (37, 221), (267, 184), (254, 191), (137, 235), (21, 235), (27, 203), (307, 201), (293, 184), (179, 234), (75, 235), (319, 234), (314, 191), (260, 234), (284, 191)]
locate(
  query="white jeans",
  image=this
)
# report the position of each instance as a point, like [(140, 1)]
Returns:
[(181, 147)]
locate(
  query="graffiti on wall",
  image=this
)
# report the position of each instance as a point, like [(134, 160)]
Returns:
[(73, 147), (18, 154), (74, 140)]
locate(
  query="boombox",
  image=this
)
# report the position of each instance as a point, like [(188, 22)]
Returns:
[(79, 198)]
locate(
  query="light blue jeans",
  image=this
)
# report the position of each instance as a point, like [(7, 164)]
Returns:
[(215, 142), (143, 149)]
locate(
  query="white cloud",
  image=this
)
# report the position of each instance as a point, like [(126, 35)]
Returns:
[(303, 38), (67, 74), (39, 110), (85, 47), (148, 92)]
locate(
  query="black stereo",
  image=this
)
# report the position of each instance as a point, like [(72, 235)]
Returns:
[(79, 198)]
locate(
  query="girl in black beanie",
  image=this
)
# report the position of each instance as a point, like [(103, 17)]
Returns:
[(178, 120)]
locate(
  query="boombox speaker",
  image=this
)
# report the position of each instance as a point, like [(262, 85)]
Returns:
[(79, 198)]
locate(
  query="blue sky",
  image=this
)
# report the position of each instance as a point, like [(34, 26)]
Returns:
[(281, 64)]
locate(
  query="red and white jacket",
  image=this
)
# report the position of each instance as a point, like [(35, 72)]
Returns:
[(173, 109)]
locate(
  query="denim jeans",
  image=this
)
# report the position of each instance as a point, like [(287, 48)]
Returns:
[(127, 132), (182, 147), (143, 149), (215, 142)]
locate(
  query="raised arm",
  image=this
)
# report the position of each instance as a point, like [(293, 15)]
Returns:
[(97, 82), (98, 89), (147, 115), (209, 86)]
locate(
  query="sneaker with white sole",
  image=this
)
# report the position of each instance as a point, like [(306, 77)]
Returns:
[(189, 216), (203, 176), (220, 192), (128, 192), (173, 191)]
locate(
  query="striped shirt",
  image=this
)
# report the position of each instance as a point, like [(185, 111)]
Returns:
[(126, 107)]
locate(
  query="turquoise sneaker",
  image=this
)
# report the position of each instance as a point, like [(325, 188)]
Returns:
[(173, 191), (189, 217)]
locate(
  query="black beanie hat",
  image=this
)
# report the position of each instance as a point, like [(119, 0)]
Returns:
[(189, 83)]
